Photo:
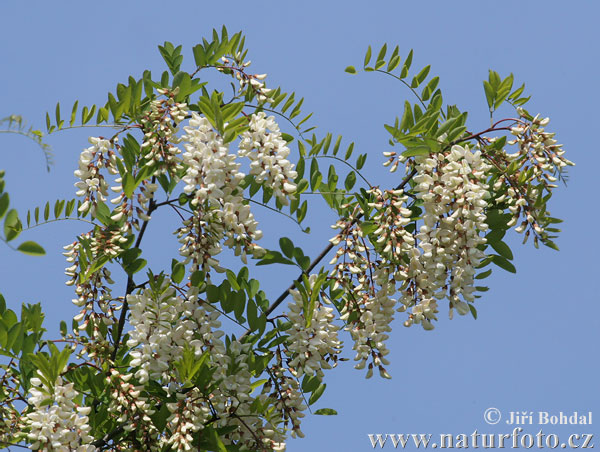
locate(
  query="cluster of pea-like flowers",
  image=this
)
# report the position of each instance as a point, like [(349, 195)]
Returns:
[(212, 178), (268, 152), (398, 269), (92, 184), (254, 81), (56, 423), (311, 347), (453, 188), (130, 408), (94, 294), (164, 324), (537, 163), (369, 281), (289, 401), (160, 131), (158, 150)]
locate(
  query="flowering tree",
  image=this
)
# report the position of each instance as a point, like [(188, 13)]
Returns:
[(198, 357)]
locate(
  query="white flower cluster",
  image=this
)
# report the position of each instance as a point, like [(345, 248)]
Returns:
[(268, 153), (212, 176), (370, 282), (255, 81), (92, 185), (539, 158), (452, 186), (60, 425), (130, 408), (235, 405), (160, 131), (437, 261), (127, 208), (189, 414), (163, 325), (289, 401), (95, 291), (311, 347)]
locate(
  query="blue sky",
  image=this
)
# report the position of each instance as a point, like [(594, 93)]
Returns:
[(534, 346)]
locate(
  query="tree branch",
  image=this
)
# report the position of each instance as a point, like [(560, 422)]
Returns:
[(320, 257)]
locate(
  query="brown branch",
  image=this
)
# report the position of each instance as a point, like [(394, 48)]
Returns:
[(320, 257)]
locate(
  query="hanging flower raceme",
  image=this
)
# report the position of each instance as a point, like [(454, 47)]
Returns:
[(93, 287), (452, 186), (212, 178), (537, 164), (255, 82), (92, 184), (312, 346), (56, 423), (160, 128), (268, 152), (368, 280), (164, 325)]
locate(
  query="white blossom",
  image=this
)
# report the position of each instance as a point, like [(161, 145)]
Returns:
[(60, 425), (268, 152), (311, 347)]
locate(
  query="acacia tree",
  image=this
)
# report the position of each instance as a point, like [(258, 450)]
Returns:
[(199, 357)]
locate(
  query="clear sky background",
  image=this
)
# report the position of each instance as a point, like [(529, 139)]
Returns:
[(535, 344)]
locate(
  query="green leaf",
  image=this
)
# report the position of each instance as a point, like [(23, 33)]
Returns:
[(31, 248), (360, 161), (473, 311), (484, 274), (326, 412), (350, 70), (368, 227), (420, 77), (407, 64), (382, 52), (135, 266), (417, 150), (57, 114), (349, 151), (252, 315), (394, 62), (73, 113), (217, 442), (350, 180), (503, 263), (286, 246), (310, 383), (102, 213), (274, 257), (4, 203), (12, 225), (302, 186), (497, 219), (316, 395), (502, 249), (178, 272), (367, 56), (490, 94), (504, 90)]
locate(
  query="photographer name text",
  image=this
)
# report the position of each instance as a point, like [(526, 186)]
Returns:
[(546, 417)]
